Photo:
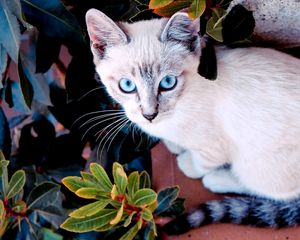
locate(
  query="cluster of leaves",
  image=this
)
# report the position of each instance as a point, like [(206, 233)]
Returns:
[(240, 21), (23, 211), (129, 202)]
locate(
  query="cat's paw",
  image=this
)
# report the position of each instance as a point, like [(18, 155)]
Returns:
[(222, 181), (187, 165), (173, 148)]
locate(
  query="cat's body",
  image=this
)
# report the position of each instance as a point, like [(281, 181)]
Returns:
[(248, 118)]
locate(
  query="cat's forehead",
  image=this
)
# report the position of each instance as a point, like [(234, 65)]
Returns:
[(145, 55)]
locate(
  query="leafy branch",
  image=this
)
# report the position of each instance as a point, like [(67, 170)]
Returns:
[(128, 202)]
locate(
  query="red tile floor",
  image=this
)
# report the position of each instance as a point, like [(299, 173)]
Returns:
[(166, 173)]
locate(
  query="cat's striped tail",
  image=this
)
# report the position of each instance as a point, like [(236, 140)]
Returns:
[(252, 211)]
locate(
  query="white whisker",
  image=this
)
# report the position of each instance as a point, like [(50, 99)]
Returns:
[(95, 112), (119, 122), (98, 123), (113, 135), (90, 91), (111, 115)]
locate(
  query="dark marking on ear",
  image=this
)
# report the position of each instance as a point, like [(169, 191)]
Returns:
[(180, 29)]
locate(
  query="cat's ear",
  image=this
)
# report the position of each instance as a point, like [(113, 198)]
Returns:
[(181, 29), (103, 32)]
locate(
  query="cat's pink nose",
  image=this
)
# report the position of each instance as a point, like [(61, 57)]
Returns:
[(150, 117)]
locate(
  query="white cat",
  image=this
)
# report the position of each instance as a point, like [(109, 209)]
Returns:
[(248, 118)]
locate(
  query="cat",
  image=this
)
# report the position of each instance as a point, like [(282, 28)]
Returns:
[(248, 118)]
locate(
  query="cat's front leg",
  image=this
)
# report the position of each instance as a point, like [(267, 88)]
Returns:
[(173, 147), (193, 165)]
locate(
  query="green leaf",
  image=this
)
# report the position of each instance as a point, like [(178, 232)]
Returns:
[(2, 158), (197, 8), (73, 183), (166, 198), (149, 233), (170, 9), (4, 175), (145, 181), (238, 24), (50, 235), (89, 178), (43, 195), (131, 233), (176, 209), (90, 209), (19, 207), (105, 228), (26, 86), (91, 193), (144, 197), (129, 219), (16, 183), (10, 31), (2, 212), (153, 4), (119, 215), (99, 172), (90, 223), (133, 184), (214, 25), (147, 215), (120, 177), (53, 20)]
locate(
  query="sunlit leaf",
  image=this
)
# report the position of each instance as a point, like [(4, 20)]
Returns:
[(119, 215), (90, 209), (129, 219), (73, 183), (133, 184), (19, 207), (159, 3), (214, 24), (16, 183), (89, 223), (91, 193), (4, 175), (145, 181), (144, 197), (120, 177), (170, 9), (89, 178), (2, 212), (197, 8), (105, 228), (147, 215), (99, 172)]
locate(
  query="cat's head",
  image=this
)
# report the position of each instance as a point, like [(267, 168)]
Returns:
[(144, 65)]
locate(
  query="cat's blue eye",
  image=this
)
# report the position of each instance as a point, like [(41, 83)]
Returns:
[(127, 86), (167, 83)]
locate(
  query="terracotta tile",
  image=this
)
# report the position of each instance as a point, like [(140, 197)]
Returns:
[(166, 173)]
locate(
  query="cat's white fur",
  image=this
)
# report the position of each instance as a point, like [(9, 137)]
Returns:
[(249, 117)]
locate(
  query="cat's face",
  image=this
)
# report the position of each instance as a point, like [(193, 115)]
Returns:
[(143, 65)]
